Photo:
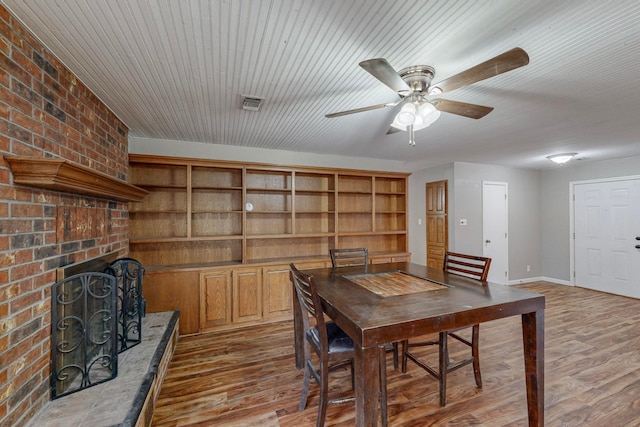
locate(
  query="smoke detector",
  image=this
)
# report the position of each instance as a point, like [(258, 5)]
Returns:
[(251, 103)]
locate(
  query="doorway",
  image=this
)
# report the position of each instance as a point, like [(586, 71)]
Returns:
[(437, 224), (607, 235), (495, 220)]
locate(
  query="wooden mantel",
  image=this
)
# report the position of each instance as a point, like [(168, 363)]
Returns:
[(62, 175)]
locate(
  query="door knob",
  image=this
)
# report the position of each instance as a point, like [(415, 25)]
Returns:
[(637, 246), (637, 237), (489, 241)]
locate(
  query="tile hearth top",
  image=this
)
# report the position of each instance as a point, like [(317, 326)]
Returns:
[(119, 401)]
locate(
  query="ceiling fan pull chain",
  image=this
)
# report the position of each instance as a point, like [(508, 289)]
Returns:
[(412, 140)]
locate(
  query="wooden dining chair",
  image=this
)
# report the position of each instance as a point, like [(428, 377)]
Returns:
[(349, 256), (474, 267), (333, 348), (359, 256)]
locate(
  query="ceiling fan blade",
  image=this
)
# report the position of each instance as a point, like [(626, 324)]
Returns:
[(381, 70), (473, 111), (360, 110), (510, 60)]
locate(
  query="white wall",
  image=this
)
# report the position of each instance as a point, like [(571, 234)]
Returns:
[(555, 208), (465, 201), (418, 208), (198, 150), (539, 211), (524, 214)]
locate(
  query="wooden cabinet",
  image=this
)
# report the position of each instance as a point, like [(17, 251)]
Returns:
[(230, 297), (277, 293), (227, 221), (216, 296), (169, 290), (247, 294), (385, 259), (278, 290)]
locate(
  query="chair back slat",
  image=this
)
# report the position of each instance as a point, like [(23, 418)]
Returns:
[(475, 267), (349, 256)]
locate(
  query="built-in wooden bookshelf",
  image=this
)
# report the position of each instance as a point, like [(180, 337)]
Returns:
[(207, 221)]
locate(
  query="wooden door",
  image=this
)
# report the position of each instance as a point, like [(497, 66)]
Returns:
[(437, 230), (216, 295), (247, 294), (277, 292)]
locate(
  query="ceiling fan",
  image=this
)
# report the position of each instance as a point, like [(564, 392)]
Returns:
[(413, 86)]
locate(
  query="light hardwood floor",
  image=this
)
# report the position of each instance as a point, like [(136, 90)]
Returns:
[(592, 374)]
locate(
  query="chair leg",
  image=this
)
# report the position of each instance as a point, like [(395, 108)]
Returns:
[(475, 341), (443, 356), (395, 355), (305, 387), (405, 348), (324, 394), (382, 362)]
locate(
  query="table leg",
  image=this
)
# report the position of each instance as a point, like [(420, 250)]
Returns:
[(366, 390), (533, 340)]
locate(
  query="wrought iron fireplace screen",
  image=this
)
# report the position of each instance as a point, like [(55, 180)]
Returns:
[(97, 309), (84, 346), (128, 273)]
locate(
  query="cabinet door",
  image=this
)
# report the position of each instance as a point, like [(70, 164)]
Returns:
[(277, 292), (167, 290), (247, 295), (216, 294)]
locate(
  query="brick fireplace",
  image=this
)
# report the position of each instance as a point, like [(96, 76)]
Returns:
[(45, 111)]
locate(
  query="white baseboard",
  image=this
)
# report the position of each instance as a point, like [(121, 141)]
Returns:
[(540, 279)]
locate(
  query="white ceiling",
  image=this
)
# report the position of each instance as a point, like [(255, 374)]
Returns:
[(176, 70)]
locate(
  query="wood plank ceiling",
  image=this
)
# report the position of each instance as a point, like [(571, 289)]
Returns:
[(177, 70)]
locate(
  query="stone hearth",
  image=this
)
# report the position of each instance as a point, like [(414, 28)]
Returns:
[(127, 400)]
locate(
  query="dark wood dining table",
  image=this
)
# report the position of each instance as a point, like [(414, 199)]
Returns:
[(373, 317)]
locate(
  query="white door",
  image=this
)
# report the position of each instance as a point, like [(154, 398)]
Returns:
[(607, 236), (494, 230)]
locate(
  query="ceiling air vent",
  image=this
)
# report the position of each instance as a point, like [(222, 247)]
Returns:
[(251, 103)]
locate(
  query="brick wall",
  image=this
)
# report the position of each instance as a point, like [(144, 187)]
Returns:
[(46, 111)]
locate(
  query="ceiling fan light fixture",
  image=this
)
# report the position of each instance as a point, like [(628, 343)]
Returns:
[(398, 126), (427, 114), (407, 115), (562, 158)]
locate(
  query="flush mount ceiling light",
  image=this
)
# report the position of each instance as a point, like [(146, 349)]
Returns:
[(561, 158)]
